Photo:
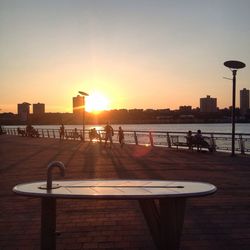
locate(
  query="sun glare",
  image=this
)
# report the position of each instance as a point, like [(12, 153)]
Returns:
[(96, 102)]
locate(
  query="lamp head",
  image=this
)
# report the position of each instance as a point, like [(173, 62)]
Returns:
[(234, 65), (83, 93)]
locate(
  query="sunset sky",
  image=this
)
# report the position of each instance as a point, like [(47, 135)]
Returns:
[(135, 53)]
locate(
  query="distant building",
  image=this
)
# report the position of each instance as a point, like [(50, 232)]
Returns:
[(23, 111), (78, 104), (38, 108), (208, 104), (186, 109), (244, 101)]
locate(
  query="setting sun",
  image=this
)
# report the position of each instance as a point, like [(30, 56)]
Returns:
[(96, 102)]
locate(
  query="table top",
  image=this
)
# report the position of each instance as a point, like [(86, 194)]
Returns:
[(116, 189)]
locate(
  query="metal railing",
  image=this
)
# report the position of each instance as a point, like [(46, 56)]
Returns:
[(220, 141)]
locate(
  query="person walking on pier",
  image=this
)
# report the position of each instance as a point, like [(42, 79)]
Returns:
[(62, 131), (121, 136), (109, 132)]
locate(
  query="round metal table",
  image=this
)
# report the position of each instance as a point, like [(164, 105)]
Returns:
[(165, 217)]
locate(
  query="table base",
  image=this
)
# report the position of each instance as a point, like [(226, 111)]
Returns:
[(165, 220)]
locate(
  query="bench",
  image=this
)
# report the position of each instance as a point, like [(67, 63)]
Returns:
[(73, 135), (97, 136), (182, 141), (33, 133), (21, 132)]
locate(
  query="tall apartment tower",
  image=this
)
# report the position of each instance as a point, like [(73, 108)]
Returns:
[(38, 108), (23, 111), (78, 103), (244, 100), (208, 104)]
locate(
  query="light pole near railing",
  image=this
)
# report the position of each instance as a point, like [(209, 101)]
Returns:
[(234, 66), (83, 113)]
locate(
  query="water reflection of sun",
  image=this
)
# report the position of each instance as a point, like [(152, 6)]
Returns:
[(96, 102)]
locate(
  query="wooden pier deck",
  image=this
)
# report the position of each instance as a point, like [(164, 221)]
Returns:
[(220, 221)]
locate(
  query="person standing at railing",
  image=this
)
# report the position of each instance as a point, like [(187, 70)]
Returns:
[(62, 132), (109, 132), (190, 139), (121, 136)]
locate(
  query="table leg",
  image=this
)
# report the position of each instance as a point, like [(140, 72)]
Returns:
[(165, 222), (48, 224)]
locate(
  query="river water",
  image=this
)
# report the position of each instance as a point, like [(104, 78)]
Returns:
[(215, 127)]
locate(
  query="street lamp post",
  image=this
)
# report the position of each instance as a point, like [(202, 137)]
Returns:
[(83, 114), (234, 66)]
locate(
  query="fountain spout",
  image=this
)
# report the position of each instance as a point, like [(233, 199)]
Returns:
[(51, 166)]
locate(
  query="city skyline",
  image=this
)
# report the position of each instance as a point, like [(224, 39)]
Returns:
[(206, 104), (160, 54)]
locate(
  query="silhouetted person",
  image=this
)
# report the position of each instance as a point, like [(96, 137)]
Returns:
[(62, 132), (199, 139), (76, 135), (20, 132), (121, 136), (1, 130), (29, 129), (190, 139), (109, 132), (93, 134)]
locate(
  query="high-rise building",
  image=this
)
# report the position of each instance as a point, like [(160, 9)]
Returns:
[(244, 100), (78, 104), (208, 104), (38, 108), (23, 111)]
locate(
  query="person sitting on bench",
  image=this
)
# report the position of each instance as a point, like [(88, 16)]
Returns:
[(199, 141)]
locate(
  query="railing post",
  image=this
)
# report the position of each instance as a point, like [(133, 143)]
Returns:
[(168, 140), (213, 142), (54, 134), (136, 139), (242, 145), (48, 133), (42, 133), (151, 139)]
